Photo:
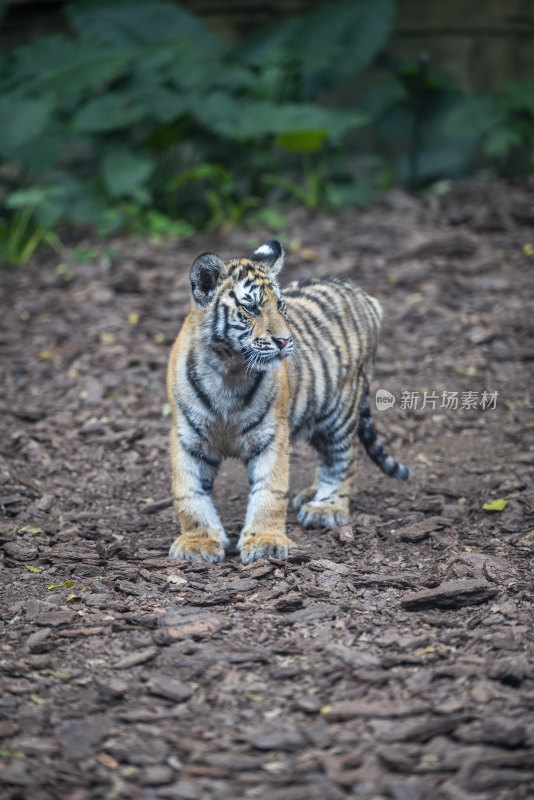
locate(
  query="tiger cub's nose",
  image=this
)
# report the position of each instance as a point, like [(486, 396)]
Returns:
[(282, 342)]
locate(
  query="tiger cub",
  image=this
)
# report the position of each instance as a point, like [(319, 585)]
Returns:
[(253, 368)]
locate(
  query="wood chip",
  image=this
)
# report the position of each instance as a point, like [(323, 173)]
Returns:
[(188, 626), (421, 530), (355, 708), (154, 508), (135, 658), (452, 594), (162, 686)]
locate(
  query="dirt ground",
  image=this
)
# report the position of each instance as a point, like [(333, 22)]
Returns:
[(392, 658)]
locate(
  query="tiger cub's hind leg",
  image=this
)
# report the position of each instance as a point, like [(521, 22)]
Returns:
[(330, 504), (306, 494)]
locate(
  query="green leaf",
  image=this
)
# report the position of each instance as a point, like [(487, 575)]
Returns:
[(35, 699), (500, 141), (139, 22), (107, 113), (518, 95), (345, 37), (61, 674), (332, 43), (495, 505), (31, 529), (33, 569), (247, 120), (123, 172), (63, 67), (381, 95), (301, 141), (472, 117), (60, 585), (23, 119)]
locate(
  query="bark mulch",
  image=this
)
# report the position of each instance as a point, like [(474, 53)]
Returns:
[(390, 658)]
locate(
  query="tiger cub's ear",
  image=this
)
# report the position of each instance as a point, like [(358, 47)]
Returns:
[(272, 255), (206, 274)]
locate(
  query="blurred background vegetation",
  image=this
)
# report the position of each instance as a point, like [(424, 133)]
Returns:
[(160, 118)]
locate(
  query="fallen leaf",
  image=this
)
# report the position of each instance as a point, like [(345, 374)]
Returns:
[(274, 767), (107, 760), (33, 569), (133, 317), (495, 505), (31, 529), (60, 585), (176, 579), (61, 674)]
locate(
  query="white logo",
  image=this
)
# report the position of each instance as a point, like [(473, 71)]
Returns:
[(384, 400)]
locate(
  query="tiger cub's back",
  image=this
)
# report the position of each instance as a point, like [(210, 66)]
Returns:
[(335, 328)]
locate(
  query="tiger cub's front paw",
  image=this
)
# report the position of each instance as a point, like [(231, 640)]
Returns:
[(323, 515), (197, 547), (261, 545)]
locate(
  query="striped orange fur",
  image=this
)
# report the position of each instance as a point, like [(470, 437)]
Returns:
[(253, 368)]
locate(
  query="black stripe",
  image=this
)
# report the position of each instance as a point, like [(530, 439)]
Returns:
[(225, 327), (328, 311), (196, 454), (253, 389), (348, 416), (340, 401), (259, 419), (215, 321), (190, 422), (258, 450), (195, 383), (355, 307), (311, 394), (207, 484), (328, 384), (347, 432), (265, 488)]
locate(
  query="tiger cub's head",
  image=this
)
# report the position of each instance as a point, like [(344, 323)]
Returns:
[(242, 305)]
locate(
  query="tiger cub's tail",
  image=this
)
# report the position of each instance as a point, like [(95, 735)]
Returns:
[(374, 449)]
